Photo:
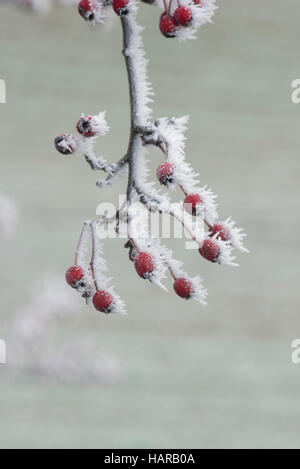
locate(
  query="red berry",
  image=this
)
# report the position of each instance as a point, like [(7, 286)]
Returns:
[(184, 288), (66, 143), (183, 16), (144, 264), (85, 127), (121, 7), (192, 202), (74, 275), (87, 9), (168, 25), (198, 2), (220, 230), (165, 173), (103, 301), (210, 250)]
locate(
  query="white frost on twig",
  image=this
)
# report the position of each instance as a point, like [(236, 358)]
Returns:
[(171, 131), (104, 282), (135, 50), (236, 235)]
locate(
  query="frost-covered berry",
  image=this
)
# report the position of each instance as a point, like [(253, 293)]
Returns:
[(85, 126), (220, 230), (198, 2), (144, 264), (87, 9), (121, 7), (210, 250), (66, 143), (183, 15), (74, 276), (192, 202), (168, 25), (103, 301), (165, 174), (184, 288), (92, 126)]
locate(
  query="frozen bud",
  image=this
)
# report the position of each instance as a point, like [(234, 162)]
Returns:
[(121, 7), (92, 126), (193, 203), (66, 144), (210, 250), (74, 276), (165, 174), (103, 302), (144, 265), (220, 230), (89, 9), (168, 25), (183, 15), (184, 288)]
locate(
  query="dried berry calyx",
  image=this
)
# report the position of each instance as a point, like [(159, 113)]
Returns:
[(66, 144)]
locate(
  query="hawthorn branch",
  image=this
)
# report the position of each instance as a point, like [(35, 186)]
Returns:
[(138, 126)]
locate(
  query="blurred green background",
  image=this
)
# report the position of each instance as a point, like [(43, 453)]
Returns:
[(213, 377)]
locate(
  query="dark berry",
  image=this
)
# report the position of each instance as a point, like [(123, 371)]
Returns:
[(66, 144)]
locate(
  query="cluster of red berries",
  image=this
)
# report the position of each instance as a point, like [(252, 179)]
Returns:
[(193, 204), (182, 17), (169, 23), (66, 144), (88, 8), (145, 265), (103, 301)]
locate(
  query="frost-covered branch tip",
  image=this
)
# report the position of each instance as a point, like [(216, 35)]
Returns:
[(152, 260)]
